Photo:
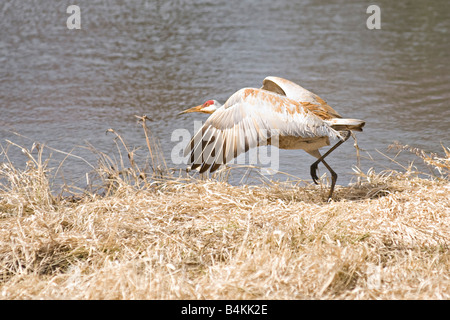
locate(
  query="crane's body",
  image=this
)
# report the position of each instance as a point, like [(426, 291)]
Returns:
[(280, 111)]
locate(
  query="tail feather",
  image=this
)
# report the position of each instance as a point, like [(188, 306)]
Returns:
[(339, 124)]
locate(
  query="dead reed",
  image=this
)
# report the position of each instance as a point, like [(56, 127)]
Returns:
[(152, 233)]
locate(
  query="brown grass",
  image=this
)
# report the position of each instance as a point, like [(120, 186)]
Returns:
[(158, 236)]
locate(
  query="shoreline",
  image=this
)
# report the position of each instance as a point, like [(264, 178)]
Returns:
[(385, 239)]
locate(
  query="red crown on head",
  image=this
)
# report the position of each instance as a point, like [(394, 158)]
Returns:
[(208, 103)]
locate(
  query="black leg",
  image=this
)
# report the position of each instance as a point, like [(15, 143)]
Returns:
[(333, 179), (313, 169)]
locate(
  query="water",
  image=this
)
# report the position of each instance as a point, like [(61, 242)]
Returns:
[(65, 88)]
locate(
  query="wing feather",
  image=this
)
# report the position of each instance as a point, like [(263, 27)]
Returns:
[(298, 93), (197, 154), (213, 153)]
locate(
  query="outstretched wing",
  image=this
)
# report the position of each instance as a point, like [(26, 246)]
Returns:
[(250, 118), (295, 92)]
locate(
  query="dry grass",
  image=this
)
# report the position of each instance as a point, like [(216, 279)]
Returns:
[(149, 237)]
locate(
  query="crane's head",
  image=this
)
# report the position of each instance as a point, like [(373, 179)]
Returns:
[(208, 107)]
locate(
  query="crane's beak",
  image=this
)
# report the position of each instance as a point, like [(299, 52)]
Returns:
[(193, 109)]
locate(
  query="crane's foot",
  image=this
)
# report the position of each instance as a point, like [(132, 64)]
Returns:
[(313, 171), (330, 195), (333, 181)]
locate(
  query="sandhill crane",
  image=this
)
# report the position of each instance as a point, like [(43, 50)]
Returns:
[(252, 117)]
